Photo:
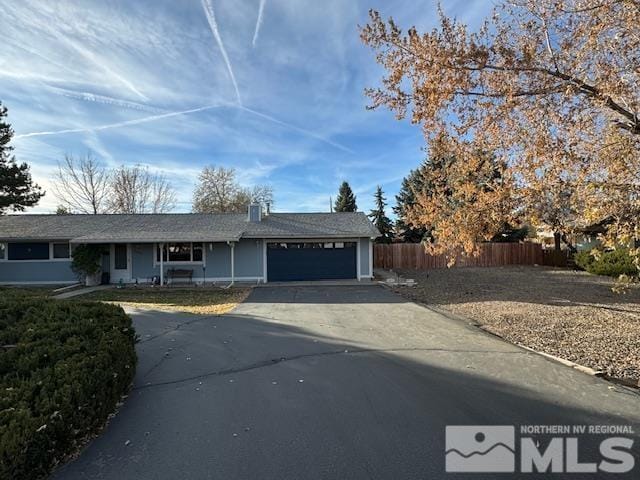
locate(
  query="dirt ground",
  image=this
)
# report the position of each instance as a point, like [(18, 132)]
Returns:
[(573, 315)]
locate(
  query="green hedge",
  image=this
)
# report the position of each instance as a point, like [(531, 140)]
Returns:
[(611, 263), (64, 365)]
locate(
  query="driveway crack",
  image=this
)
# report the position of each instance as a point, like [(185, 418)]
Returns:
[(174, 329), (344, 351)]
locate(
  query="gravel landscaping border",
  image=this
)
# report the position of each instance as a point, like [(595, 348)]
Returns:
[(567, 314)]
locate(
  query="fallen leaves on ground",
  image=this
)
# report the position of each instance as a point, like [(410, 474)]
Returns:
[(201, 301)]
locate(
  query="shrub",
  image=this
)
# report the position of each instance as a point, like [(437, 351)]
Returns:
[(611, 263), (64, 365), (584, 259), (86, 260)]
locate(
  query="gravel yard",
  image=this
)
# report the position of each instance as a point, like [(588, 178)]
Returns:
[(573, 315)]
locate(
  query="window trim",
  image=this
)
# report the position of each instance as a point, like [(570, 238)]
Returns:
[(156, 262), (55, 259), (50, 259)]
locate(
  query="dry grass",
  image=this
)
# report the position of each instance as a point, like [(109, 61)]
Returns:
[(202, 301), (573, 315)]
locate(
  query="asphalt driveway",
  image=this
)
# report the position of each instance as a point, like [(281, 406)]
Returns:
[(328, 382)]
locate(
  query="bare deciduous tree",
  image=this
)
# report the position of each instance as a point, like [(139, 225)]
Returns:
[(261, 195), (219, 192), (136, 190), (82, 184)]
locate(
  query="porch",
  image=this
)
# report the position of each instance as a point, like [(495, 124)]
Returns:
[(205, 262)]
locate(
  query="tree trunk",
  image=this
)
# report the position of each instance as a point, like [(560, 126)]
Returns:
[(557, 237), (569, 245)]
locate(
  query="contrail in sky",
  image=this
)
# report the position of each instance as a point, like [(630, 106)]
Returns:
[(93, 97), (258, 22), (46, 59), (161, 116), (90, 56), (136, 121), (207, 5), (298, 129)]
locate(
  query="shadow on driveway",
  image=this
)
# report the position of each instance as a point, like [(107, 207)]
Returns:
[(270, 393)]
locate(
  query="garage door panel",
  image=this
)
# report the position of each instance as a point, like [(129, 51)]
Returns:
[(290, 264)]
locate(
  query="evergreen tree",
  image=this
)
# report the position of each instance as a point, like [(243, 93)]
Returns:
[(380, 219), (17, 190), (346, 201), (62, 210), (405, 199)]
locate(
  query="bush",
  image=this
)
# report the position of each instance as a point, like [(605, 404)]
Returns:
[(86, 260), (584, 260), (611, 263), (64, 365)]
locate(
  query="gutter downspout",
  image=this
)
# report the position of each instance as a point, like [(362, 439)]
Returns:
[(232, 245), (161, 264)]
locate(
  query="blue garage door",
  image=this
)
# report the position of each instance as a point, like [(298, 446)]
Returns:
[(311, 261)]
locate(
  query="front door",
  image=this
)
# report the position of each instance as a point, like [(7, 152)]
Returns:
[(120, 262)]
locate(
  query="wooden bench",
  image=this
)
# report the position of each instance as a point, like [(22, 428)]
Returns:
[(174, 273)]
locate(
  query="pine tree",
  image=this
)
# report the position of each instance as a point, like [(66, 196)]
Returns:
[(405, 199), (346, 201), (380, 219), (17, 190)]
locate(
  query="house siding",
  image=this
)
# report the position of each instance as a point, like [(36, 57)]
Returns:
[(46, 271), (365, 267), (248, 258), (248, 262)]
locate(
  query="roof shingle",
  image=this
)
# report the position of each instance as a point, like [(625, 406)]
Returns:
[(183, 227)]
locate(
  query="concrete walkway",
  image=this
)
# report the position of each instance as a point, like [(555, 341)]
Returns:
[(81, 291)]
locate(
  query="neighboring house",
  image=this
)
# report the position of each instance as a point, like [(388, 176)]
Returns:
[(582, 238), (253, 247)]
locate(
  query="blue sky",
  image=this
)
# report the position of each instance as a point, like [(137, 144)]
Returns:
[(273, 88)]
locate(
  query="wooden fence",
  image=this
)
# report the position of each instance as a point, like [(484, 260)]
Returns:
[(413, 256)]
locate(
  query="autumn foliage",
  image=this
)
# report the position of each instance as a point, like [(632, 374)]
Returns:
[(531, 118)]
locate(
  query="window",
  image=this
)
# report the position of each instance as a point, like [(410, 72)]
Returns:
[(120, 256), (28, 251), (60, 250), (180, 252), (197, 252), (34, 251), (306, 245)]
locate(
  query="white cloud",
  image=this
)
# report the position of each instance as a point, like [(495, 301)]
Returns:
[(159, 83)]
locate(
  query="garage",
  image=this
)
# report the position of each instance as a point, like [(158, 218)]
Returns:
[(292, 261)]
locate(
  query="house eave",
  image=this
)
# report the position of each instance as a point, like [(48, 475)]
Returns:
[(158, 239), (310, 236)]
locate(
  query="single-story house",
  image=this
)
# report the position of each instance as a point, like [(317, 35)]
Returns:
[(252, 247)]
